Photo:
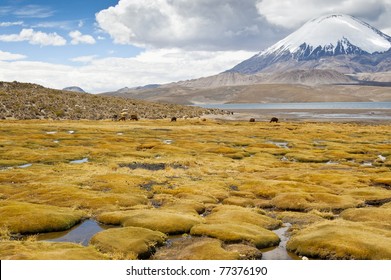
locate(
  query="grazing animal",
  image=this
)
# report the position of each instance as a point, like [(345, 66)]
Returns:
[(123, 116), (252, 120), (274, 119), (115, 118), (173, 119), (133, 118)]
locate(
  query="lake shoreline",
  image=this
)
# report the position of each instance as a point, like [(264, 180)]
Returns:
[(313, 115)]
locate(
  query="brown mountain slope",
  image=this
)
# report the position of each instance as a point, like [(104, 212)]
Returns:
[(31, 101), (262, 93)]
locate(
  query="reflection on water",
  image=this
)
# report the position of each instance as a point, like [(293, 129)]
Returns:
[(279, 144), (81, 233), (78, 161), (279, 252), (25, 165)]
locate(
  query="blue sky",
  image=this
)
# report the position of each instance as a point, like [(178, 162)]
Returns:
[(103, 45), (60, 17)]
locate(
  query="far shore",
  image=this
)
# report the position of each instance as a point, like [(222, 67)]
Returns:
[(316, 115)]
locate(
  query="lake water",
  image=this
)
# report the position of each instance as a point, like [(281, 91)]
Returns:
[(361, 111), (302, 106)]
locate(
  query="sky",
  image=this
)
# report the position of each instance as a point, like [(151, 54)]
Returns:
[(105, 45)]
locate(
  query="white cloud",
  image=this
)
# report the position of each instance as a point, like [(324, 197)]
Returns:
[(84, 59), (293, 13), (33, 11), (65, 24), (79, 38), (35, 38), (10, 56), (112, 73), (8, 24), (187, 24)]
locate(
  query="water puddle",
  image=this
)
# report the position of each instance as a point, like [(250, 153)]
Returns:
[(71, 131), (152, 166), (78, 161), (330, 162), (367, 164), (168, 142), (279, 252), (56, 141), (51, 132), (146, 166), (320, 144), (80, 234), (25, 165), (279, 144), (120, 133), (381, 158), (284, 158)]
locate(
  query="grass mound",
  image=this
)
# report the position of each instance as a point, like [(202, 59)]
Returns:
[(239, 215), (196, 249), (341, 239), (259, 237), (377, 217), (320, 201), (22, 217), (160, 220), (299, 218), (30, 250), (129, 242)]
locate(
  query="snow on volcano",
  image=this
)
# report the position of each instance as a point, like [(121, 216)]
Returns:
[(323, 37), (329, 32)]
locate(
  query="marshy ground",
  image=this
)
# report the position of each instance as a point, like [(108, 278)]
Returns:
[(195, 189)]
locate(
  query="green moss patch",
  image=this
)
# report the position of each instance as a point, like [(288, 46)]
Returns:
[(340, 239), (22, 217), (129, 242)]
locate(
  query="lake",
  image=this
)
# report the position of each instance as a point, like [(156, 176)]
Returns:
[(371, 111), (301, 106)]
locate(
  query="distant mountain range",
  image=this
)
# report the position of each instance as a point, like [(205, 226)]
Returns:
[(329, 54)]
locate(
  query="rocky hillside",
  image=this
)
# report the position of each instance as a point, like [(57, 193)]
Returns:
[(31, 101)]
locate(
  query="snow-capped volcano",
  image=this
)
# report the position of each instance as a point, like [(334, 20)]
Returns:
[(317, 42)]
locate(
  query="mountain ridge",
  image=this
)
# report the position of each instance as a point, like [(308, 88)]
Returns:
[(321, 43), (32, 101)]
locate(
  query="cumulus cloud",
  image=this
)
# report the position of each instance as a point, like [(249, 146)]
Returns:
[(79, 38), (112, 73), (188, 24), (293, 13), (35, 38), (10, 56)]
